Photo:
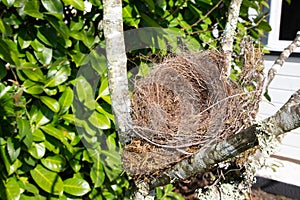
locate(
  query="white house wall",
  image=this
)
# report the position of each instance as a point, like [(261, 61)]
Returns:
[(286, 82)]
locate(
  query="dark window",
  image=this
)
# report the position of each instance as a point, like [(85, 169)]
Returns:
[(290, 20)]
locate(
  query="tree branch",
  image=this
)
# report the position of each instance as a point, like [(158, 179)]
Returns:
[(281, 59), (117, 69), (229, 32), (286, 119)]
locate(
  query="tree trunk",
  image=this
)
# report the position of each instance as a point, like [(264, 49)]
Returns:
[(229, 32), (117, 69)]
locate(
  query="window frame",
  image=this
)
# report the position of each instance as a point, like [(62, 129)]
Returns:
[(273, 42)]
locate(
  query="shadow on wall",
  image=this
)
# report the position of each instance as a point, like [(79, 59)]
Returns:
[(278, 188)]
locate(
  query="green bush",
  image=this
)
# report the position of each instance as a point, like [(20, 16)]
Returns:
[(57, 133)]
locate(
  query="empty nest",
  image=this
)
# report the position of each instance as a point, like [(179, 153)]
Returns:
[(187, 102)]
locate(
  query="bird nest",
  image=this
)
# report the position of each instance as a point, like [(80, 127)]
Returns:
[(187, 102)]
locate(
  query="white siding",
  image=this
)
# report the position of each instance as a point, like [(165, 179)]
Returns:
[(286, 82)]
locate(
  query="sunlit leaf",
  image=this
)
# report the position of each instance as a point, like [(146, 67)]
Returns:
[(99, 120), (47, 180), (38, 135), (37, 150), (79, 4), (12, 189), (53, 132), (13, 149), (66, 99), (34, 74), (51, 103), (76, 186), (55, 163), (58, 76), (32, 9), (53, 6), (44, 56)]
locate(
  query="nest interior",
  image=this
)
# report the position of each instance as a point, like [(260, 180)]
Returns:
[(185, 103)]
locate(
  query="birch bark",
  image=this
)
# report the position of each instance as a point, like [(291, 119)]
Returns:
[(229, 33), (117, 69)]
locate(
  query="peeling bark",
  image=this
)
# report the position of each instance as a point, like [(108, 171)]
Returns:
[(229, 32), (286, 119), (117, 69)]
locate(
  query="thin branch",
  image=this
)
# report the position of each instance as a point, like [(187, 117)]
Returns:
[(259, 21), (229, 32), (172, 13), (286, 119), (205, 16), (117, 69), (281, 59)]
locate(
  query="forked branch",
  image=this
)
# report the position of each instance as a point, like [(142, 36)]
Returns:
[(286, 119)]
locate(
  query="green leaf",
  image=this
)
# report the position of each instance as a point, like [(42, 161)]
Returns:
[(8, 52), (149, 21), (12, 189), (159, 193), (48, 36), (3, 71), (41, 115), (84, 92), (36, 89), (143, 69), (100, 121), (32, 8), (23, 43), (47, 180), (37, 150), (8, 3), (59, 26), (98, 61), (50, 103), (44, 56), (53, 6), (78, 4), (13, 168), (103, 90), (24, 128), (50, 92), (162, 4), (75, 164), (25, 131), (38, 135), (4, 28), (57, 77), (66, 99), (30, 187), (267, 96), (265, 26), (50, 130), (101, 110), (151, 5), (13, 149), (55, 163), (33, 73), (97, 173), (76, 186)]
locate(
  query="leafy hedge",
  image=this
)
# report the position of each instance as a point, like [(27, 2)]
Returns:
[(57, 134)]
